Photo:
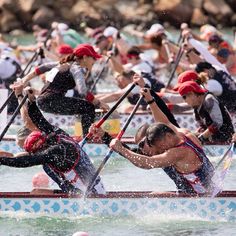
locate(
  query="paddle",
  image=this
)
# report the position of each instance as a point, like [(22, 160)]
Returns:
[(232, 146), (33, 58), (49, 33), (21, 74), (100, 73), (13, 116), (104, 66), (91, 184), (105, 117), (178, 58), (219, 176)]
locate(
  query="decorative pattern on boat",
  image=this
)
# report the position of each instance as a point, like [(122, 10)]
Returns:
[(201, 208), (94, 150), (185, 120)]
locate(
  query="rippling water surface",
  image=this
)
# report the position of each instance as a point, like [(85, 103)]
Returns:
[(119, 174)]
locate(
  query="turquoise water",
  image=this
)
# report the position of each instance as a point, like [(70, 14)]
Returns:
[(118, 174)]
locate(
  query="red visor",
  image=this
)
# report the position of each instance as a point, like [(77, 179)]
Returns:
[(190, 86), (188, 75), (86, 50), (34, 141)]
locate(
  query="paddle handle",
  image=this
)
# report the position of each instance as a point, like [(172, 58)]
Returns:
[(11, 95), (178, 58), (108, 155), (105, 117), (13, 116), (7, 101)]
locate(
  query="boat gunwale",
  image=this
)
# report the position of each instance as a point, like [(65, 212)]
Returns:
[(121, 194)]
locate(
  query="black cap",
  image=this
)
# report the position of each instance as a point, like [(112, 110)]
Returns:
[(201, 66)]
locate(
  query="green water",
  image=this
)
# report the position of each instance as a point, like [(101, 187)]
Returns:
[(148, 226)]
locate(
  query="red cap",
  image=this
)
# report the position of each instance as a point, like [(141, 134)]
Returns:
[(65, 49), (188, 75), (35, 136), (86, 50), (190, 86)]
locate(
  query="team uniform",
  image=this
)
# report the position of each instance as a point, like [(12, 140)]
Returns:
[(61, 156)]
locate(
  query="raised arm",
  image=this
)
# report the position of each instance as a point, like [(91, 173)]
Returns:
[(38, 71), (158, 115), (38, 119), (165, 159)]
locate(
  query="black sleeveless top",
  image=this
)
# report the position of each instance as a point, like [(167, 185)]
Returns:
[(62, 82)]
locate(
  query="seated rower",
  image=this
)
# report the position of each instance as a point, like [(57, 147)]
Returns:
[(164, 146), (59, 154), (213, 118)]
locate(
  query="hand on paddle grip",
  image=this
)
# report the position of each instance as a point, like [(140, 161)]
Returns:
[(29, 91), (138, 80), (234, 138), (116, 145), (146, 93), (17, 87), (202, 139), (96, 132)]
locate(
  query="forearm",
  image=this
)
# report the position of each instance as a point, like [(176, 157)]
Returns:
[(38, 119), (38, 71), (161, 104), (109, 97), (117, 66), (158, 115), (22, 161), (79, 76), (206, 134), (180, 108), (28, 77), (25, 117), (138, 160)]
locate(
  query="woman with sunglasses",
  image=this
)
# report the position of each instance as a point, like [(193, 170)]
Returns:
[(71, 71), (176, 148), (213, 118)]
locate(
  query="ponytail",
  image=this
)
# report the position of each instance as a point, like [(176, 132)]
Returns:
[(202, 78), (69, 58)]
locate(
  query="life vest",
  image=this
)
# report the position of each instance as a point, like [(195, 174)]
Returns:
[(229, 89), (225, 132), (79, 176), (196, 182)]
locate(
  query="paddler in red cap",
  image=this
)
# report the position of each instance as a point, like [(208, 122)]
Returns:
[(213, 118)]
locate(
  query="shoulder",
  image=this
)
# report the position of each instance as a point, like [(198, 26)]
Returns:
[(176, 154), (210, 101)]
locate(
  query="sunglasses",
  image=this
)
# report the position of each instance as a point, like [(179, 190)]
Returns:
[(142, 142)]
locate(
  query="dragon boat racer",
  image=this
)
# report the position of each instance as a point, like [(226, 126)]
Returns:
[(64, 77), (213, 118), (59, 154), (165, 145)]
